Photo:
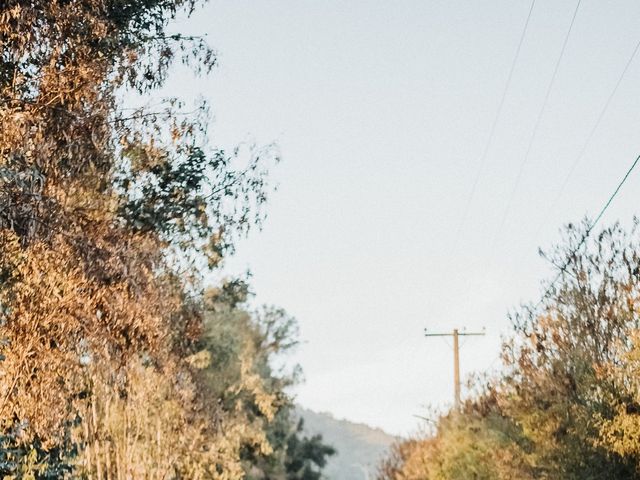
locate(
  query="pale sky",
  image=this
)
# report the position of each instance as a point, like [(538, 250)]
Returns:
[(381, 110)]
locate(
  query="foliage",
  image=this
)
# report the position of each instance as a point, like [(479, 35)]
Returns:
[(297, 456), (564, 405), (115, 360), (305, 456), (242, 376)]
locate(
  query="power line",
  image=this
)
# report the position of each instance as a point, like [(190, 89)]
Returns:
[(536, 127), (492, 130), (583, 239), (586, 143), (588, 232), (508, 205), (576, 161)]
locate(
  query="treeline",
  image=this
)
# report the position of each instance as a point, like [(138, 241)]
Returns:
[(118, 360), (566, 404)]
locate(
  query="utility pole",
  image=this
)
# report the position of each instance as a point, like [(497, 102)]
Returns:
[(456, 357)]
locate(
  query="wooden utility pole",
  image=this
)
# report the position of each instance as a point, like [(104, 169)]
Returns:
[(456, 357)]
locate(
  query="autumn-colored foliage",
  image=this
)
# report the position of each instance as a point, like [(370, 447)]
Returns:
[(109, 220), (565, 404)]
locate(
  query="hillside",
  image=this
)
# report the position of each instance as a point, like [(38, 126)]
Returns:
[(360, 447)]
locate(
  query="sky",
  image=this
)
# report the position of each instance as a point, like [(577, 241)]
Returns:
[(381, 111)]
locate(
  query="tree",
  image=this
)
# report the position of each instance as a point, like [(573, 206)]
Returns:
[(563, 406), (305, 456), (243, 348), (108, 219), (555, 389)]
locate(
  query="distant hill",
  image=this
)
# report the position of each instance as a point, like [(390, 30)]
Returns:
[(360, 447)]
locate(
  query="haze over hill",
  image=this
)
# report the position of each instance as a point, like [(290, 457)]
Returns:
[(359, 447)]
